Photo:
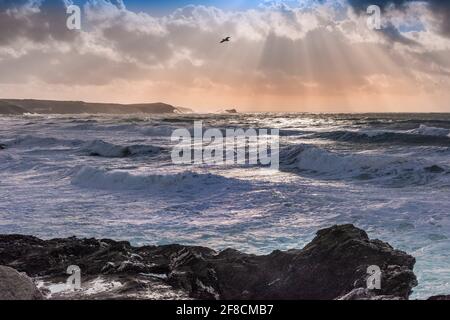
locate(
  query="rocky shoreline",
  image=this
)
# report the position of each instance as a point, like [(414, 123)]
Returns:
[(333, 266)]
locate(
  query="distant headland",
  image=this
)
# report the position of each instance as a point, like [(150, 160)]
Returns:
[(16, 106)]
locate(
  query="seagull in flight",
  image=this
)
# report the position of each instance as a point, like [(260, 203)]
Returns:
[(227, 39)]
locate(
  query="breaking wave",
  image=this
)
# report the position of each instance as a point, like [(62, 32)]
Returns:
[(97, 148), (431, 131), (99, 178), (101, 148), (422, 136), (41, 142), (393, 170), (159, 131)]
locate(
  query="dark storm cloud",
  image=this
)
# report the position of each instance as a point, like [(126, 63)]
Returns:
[(6, 4), (34, 20), (391, 33), (361, 5), (40, 20), (440, 8)]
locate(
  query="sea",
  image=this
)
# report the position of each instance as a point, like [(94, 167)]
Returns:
[(113, 176)]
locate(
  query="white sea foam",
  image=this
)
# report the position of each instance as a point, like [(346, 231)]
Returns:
[(42, 142), (431, 131), (394, 169), (159, 131), (104, 149), (96, 178)]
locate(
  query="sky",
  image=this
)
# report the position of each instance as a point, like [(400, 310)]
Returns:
[(168, 6), (292, 56)]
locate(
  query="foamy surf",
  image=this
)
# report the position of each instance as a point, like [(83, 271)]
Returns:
[(422, 136), (32, 141), (104, 180), (99, 178), (389, 169), (431, 131), (101, 148)]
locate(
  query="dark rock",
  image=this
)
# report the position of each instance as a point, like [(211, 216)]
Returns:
[(17, 286), (231, 111), (366, 294), (2, 146), (434, 169), (440, 298), (331, 266)]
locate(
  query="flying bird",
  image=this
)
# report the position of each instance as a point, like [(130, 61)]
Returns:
[(227, 39)]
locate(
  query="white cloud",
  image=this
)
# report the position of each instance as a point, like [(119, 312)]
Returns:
[(280, 50)]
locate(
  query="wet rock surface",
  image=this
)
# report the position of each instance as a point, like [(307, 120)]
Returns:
[(440, 298), (332, 266), (17, 286)]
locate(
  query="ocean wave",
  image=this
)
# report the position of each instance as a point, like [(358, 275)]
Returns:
[(101, 148), (99, 178), (82, 121), (159, 131), (389, 169), (43, 142), (420, 136), (431, 131), (128, 127)]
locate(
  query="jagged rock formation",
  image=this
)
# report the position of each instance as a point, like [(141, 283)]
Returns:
[(333, 265)]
